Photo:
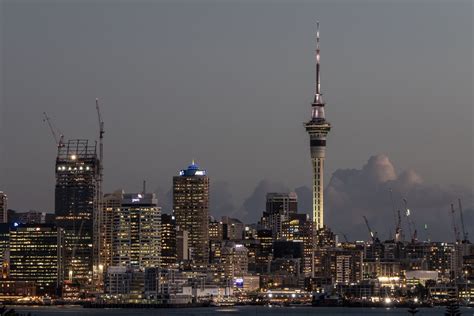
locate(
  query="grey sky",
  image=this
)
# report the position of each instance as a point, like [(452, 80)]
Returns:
[(230, 84)]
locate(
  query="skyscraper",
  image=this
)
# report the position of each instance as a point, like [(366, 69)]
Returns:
[(3, 208), (318, 128), (137, 233), (77, 172), (191, 209), (111, 206)]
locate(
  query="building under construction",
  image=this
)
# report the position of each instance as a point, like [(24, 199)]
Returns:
[(76, 203)]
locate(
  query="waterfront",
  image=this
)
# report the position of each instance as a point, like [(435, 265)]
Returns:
[(239, 310)]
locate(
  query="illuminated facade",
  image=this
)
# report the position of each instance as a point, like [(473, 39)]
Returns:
[(137, 233), (3, 208), (111, 206), (34, 256), (191, 209), (279, 208), (169, 255), (318, 128)]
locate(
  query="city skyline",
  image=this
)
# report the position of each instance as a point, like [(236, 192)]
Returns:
[(270, 162)]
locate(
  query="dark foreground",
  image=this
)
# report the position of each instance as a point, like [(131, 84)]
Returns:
[(238, 310)]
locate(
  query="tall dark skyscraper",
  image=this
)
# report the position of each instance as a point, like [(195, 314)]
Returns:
[(191, 209), (318, 128), (76, 200)]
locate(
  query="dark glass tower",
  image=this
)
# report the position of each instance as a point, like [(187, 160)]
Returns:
[(191, 209), (76, 200)]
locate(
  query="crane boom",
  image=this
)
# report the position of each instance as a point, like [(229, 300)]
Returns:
[(58, 141), (372, 235)]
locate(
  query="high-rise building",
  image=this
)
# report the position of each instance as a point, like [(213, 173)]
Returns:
[(76, 201), (279, 208), (111, 206), (34, 255), (3, 208), (318, 128), (137, 233), (169, 255), (191, 209)]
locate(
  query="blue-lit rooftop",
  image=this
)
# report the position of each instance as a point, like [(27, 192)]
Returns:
[(192, 170)]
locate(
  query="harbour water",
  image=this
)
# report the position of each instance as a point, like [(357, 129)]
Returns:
[(238, 310)]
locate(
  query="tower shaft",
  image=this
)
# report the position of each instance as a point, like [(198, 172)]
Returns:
[(318, 128)]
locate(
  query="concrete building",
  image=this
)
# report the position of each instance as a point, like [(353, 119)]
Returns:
[(191, 209)]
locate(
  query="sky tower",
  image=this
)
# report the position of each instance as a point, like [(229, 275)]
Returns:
[(318, 128)]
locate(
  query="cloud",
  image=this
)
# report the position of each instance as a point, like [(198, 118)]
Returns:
[(252, 208), (221, 199), (353, 193)]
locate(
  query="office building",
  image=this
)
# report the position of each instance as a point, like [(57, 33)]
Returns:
[(34, 255), (279, 208), (191, 209), (169, 254), (111, 206), (137, 233)]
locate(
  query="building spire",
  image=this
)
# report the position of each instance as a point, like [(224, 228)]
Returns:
[(318, 96)]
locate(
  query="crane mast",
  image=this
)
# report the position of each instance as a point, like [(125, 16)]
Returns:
[(464, 233), (411, 223), (98, 264), (455, 228)]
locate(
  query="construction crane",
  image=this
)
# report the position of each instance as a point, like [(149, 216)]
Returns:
[(411, 223), (398, 230), (464, 233), (98, 213), (59, 141), (398, 219), (455, 227), (372, 234)]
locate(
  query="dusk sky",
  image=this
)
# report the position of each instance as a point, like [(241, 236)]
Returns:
[(229, 84)]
